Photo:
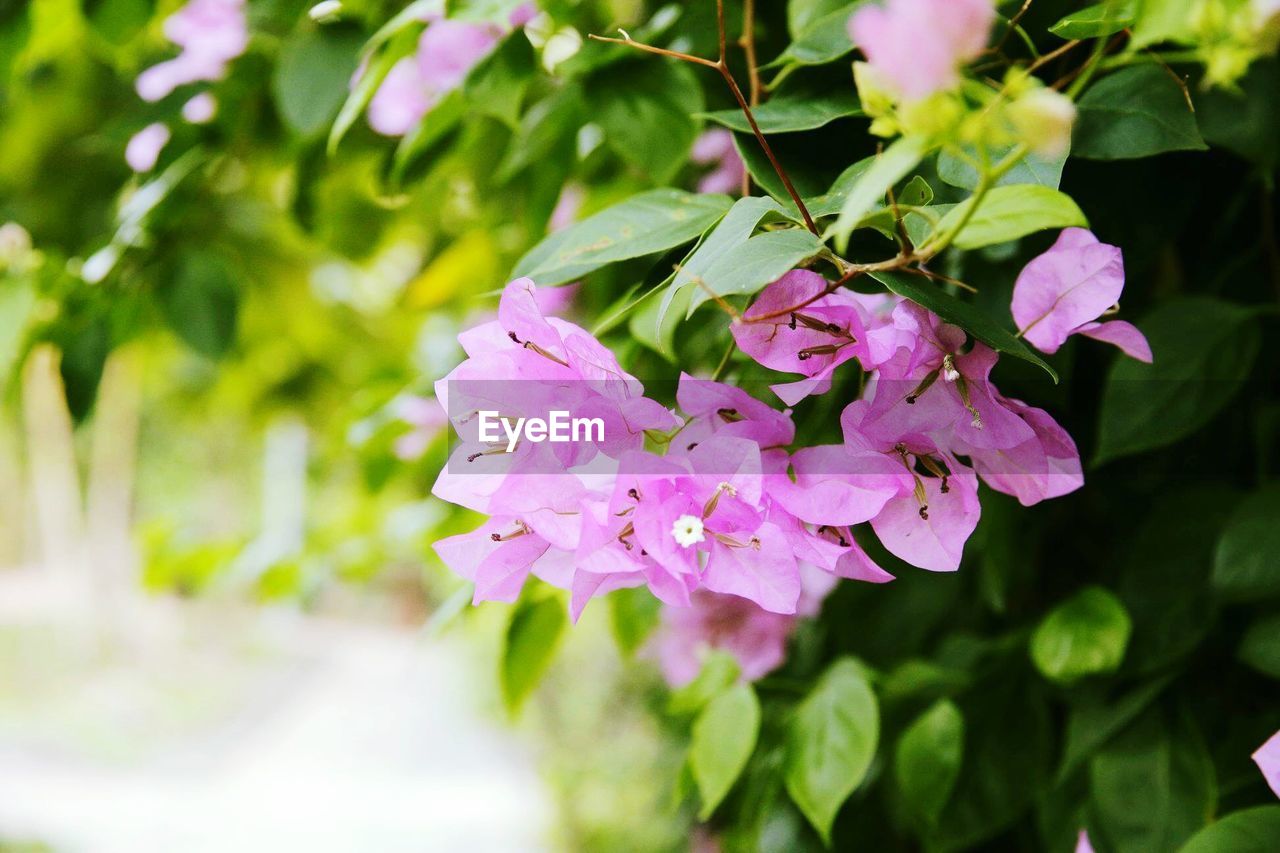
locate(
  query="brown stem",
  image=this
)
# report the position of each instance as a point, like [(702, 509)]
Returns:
[(661, 51), (1013, 22), (747, 41), (723, 67), (1053, 54)]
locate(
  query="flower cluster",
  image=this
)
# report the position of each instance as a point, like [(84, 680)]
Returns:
[(730, 507), (447, 51), (211, 33)]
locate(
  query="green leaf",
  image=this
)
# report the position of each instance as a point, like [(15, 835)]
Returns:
[(788, 115), (1084, 635), (438, 121), (310, 79), (1100, 19), (547, 132), (644, 224), (633, 614), (802, 13), (762, 259), (17, 303), (1031, 169), (497, 85), (724, 736), (830, 743), (1260, 647), (832, 201), (1247, 121), (968, 317), (1093, 721), (1162, 20), (1203, 350), (360, 96), (1135, 112), (533, 636), (927, 760), (893, 164), (824, 40), (646, 111), (1007, 213), (719, 670), (1246, 566), (200, 304), (84, 355), (1252, 830), (1152, 787)]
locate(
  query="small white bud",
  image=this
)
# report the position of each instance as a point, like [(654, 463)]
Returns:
[(325, 12)]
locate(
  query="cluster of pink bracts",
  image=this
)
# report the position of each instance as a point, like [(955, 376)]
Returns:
[(729, 507)]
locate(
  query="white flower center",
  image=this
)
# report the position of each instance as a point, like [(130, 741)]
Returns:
[(688, 530)]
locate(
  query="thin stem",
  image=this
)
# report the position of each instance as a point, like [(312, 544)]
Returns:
[(724, 361), (747, 41), (1053, 54), (1013, 23), (723, 67), (986, 181), (661, 51)]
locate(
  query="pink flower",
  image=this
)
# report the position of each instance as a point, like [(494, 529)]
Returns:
[(917, 46), (1063, 291), (795, 326), (447, 51), (715, 148), (200, 109), (427, 419), (1268, 760), (1082, 843), (211, 33), (567, 206), (145, 146)]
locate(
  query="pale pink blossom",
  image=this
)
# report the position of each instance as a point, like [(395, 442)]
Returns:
[(715, 148), (1065, 290), (1268, 760), (916, 47), (211, 33), (145, 146)]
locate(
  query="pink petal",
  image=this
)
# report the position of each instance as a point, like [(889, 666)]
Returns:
[(764, 572), (1069, 285), (935, 543), (1268, 760), (1124, 335)]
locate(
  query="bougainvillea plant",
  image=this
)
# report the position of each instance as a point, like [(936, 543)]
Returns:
[(933, 342)]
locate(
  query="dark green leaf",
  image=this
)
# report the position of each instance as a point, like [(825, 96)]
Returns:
[(891, 166), (824, 40), (646, 111), (830, 743), (1246, 566), (1260, 647), (497, 85), (547, 131), (1252, 830), (927, 760), (724, 736), (802, 13), (968, 317), (1101, 19), (200, 304), (1085, 635), (311, 76), (644, 224), (84, 355), (1152, 786), (1093, 721), (787, 115), (533, 636), (1203, 351), (1246, 122), (1135, 112)]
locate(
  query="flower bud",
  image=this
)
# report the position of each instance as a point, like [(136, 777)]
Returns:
[(325, 12), (1043, 119), (876, 97)]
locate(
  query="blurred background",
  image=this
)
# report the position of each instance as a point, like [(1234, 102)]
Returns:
[(221, 625)]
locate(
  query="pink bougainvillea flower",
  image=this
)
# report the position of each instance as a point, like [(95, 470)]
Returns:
[(917, 46), (715, 148), (427, 419), (446, 53), (1065, 290), (145, 146), (796, 326), (200, 109), (211, 33), (1268, 760), (1083, 844), (1047, 465), (713, 408), (567, 207)]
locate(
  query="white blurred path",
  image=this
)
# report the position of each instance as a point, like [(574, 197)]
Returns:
[(360, 739)]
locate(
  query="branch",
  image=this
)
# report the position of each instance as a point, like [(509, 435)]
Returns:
[(723, 67)]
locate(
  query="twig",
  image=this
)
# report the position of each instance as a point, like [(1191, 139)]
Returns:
[(1013, 22), (747, 41), (723, 67)]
